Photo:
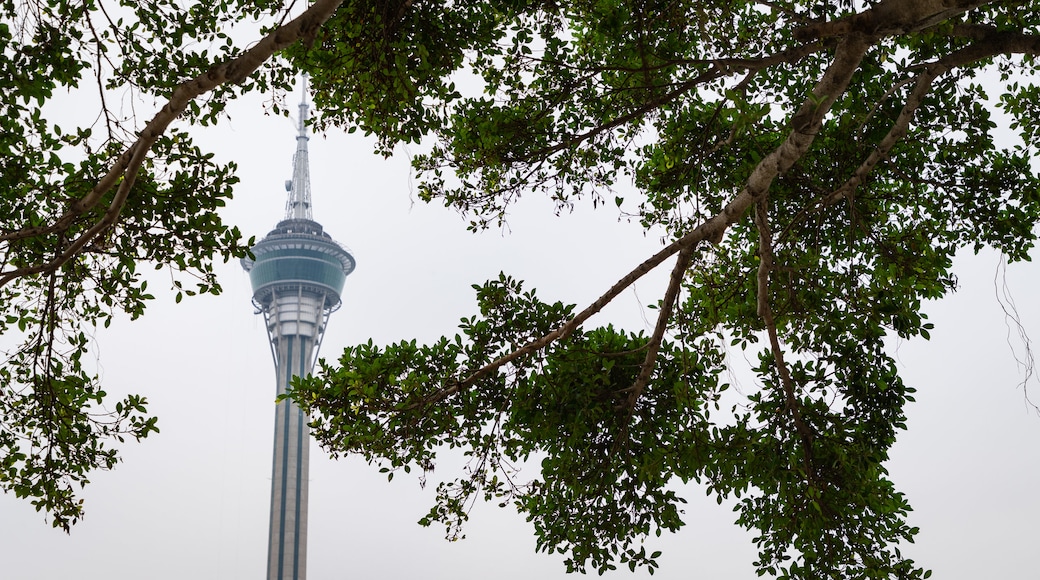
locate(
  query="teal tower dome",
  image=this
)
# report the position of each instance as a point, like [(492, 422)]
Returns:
[(298, 256)]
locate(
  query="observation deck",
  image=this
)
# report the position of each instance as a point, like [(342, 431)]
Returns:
[(298, 256)]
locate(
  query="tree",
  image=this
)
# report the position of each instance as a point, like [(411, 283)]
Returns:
[(84, 207), (813, 166)]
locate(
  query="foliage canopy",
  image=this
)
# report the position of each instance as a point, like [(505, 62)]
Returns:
[(814, 167)]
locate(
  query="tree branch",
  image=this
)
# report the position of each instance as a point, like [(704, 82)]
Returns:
[(990, 44), (719, 68), (671, 294), (571, 325), (765, 312), (124, 170), (890, 17), (895, 134), (806, 123), (987, 32)]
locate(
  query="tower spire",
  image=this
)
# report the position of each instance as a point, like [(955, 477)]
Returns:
[(299, 188)]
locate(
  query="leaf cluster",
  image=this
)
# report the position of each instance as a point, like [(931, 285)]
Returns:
[(605, 468)]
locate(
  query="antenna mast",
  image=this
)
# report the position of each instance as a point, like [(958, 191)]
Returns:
[(299, 188)]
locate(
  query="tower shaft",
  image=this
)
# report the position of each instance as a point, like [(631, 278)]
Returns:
[(287, 536), (295, 323)]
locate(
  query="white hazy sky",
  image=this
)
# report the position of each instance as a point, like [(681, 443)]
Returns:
[(192, 501)]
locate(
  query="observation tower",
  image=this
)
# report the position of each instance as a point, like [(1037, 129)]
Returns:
[(297, 277)]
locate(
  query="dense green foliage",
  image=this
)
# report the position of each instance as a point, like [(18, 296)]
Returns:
[(813, 166), (816, 165)]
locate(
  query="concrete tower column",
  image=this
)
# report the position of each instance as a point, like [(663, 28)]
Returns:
[(294, 324)]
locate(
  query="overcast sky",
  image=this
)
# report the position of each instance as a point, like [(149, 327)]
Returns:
[(192, 501)]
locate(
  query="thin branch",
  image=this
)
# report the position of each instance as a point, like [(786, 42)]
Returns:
[(791, 403), (102, 57), (719, 68), (653, 104), (664, 316), (653, 346), (895, 134), (788, 56), (700, 233), (876, 106)]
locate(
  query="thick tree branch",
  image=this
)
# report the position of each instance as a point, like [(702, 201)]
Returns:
[(986, 32), (890, 17), (806, 123), (123, 171)]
